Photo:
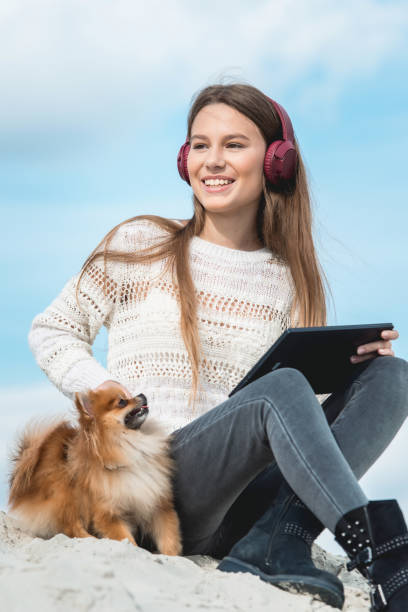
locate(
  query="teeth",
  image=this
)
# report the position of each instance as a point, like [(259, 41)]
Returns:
[(215, 182)]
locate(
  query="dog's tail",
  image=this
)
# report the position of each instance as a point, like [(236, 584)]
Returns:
[(27, 454)]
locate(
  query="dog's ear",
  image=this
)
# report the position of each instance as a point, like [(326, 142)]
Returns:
[(84, 404)]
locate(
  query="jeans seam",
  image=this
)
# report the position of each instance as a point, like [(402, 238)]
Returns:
[(302, 458)]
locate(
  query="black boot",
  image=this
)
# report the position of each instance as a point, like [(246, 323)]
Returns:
[(278, 550), (375, 538)]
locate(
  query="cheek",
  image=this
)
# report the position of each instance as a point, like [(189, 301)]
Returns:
[(193, 164), (252, 166), (252, 178)]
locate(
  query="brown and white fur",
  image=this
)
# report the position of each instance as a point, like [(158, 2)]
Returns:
[(108, 477)]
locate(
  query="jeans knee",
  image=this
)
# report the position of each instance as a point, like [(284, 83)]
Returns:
[(400, 371), (289, 376), (287, 384), (400, 366), (394, 369), (393, 373)]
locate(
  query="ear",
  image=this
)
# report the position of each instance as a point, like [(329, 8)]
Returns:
[(83, 402)]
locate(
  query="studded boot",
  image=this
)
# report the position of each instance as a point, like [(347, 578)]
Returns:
[(375, 537), (278, 549)]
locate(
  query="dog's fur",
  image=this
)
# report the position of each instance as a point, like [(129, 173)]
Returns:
[(108, 477)]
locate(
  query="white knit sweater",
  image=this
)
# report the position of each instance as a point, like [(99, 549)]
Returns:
[(244, 300)]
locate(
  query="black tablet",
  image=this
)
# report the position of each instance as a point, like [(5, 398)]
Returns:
[(322, 354)]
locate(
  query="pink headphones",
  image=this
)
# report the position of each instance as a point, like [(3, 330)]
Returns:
[(280, 158)]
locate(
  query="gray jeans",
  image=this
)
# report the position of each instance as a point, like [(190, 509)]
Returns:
[(231, 460)]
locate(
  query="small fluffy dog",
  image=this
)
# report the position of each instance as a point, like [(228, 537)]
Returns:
[(108, 477)]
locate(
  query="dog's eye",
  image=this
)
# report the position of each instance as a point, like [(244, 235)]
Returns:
[(123, 402)]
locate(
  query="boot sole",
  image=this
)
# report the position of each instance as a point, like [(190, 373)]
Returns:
[(290, 582)]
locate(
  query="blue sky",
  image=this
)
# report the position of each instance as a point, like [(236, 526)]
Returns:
[(93, 111)]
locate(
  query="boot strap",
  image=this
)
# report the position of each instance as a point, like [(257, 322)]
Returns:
[(361, 560), (394, 544), (298, 531), (368, 554), (381, 593)]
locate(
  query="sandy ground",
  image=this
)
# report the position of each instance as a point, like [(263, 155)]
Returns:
[(89, 575)]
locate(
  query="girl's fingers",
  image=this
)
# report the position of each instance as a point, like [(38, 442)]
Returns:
[(360, 358), (386, 352), (381, 351), (389, 334), (373, 346), (373, 349)]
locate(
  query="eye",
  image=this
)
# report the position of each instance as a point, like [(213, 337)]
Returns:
[(231, 144), (123, 402)]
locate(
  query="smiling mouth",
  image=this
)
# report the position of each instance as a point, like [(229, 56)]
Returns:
[(216, 188)]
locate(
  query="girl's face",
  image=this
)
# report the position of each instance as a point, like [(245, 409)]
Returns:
[(225, 144)]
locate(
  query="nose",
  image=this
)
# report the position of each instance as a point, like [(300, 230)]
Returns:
[(214, 158), (143, 399)]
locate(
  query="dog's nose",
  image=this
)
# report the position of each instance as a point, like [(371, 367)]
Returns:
[(143, 398)]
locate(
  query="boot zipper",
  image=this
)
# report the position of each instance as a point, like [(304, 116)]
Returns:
[(284, 509)]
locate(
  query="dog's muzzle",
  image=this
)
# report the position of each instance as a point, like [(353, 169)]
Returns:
[(137, 416)]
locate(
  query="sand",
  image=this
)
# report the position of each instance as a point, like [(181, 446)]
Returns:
[(62, 574)]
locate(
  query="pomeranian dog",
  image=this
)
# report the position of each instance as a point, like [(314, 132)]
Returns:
[(110, 476)]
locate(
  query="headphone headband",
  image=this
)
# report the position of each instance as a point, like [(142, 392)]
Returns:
[(287, 127)]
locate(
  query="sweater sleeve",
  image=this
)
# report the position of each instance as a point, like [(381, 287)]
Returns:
[(61, 337)]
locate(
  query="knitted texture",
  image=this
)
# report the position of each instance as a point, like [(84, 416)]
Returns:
[(244, 300)]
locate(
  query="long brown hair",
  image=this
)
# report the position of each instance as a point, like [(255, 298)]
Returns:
[(283, 223)]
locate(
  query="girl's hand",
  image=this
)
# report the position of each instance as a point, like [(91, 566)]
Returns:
[(373, 349)]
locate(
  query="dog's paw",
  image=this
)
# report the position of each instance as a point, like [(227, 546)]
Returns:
[(172, 549)]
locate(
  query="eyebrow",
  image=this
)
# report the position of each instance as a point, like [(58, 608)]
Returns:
[(225, 137)]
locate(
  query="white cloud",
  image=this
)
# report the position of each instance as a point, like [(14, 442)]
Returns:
[(73, 60), (18, 404)]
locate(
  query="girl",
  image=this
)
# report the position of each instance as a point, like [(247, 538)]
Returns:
[(190, 306)]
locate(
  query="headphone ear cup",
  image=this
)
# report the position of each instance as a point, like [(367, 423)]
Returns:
[(182, 161), (280, 161)]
